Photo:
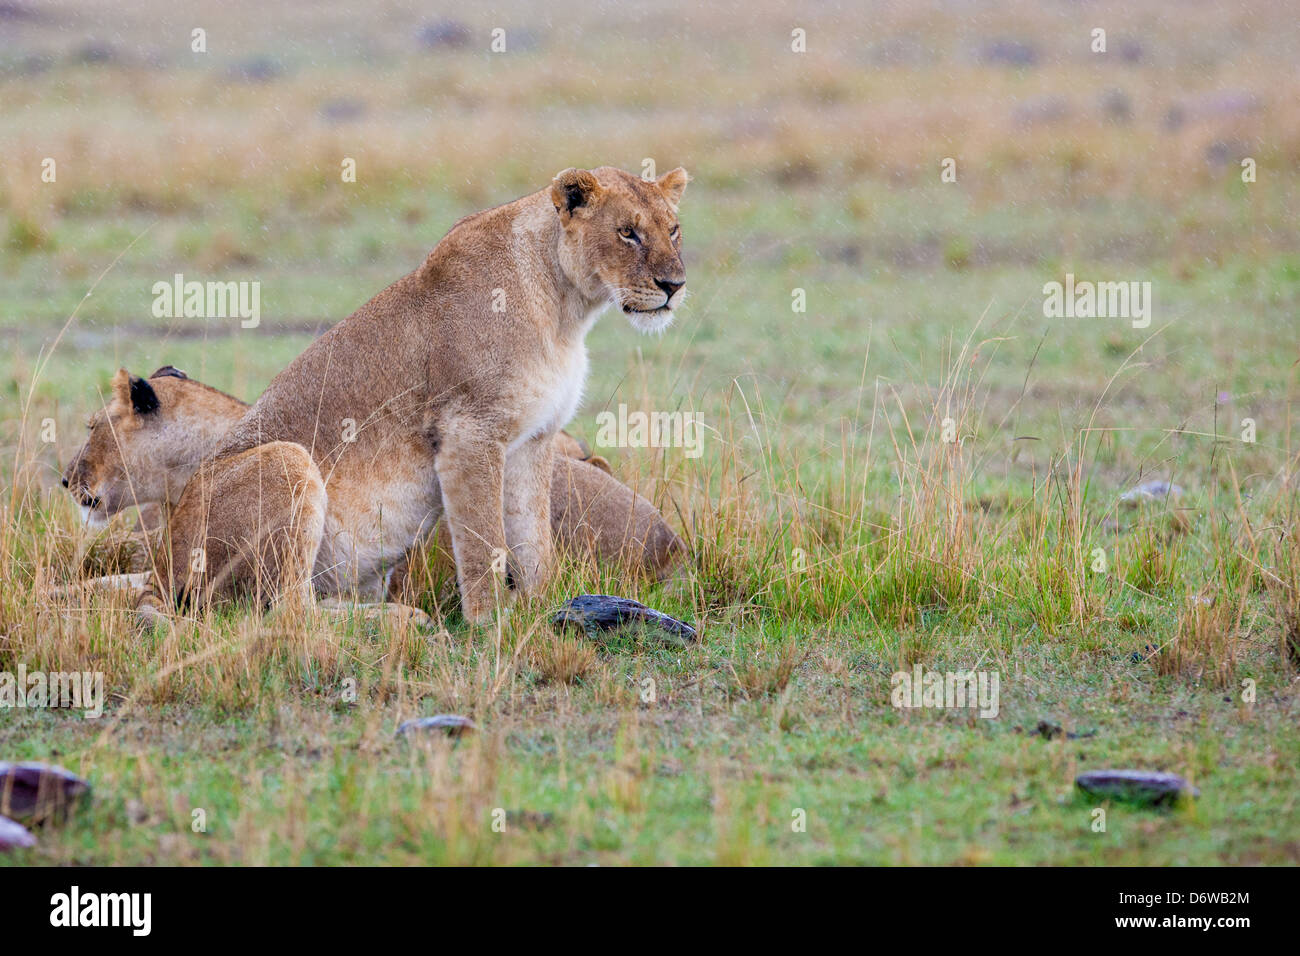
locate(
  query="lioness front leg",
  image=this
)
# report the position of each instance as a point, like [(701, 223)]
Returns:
[(527, 495), (470, 474)]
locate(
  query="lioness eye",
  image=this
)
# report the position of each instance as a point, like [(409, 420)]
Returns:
[(627, 232), (672, 233)]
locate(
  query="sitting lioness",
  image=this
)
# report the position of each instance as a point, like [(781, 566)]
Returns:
[(153, 434), (440, 396)]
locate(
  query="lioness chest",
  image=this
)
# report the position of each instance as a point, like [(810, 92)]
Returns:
[(548, 396)]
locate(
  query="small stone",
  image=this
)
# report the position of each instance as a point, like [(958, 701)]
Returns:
[(1049, 730), (1226, 152), (453, 725), (1116, 106), (530, 819), (1135, 786), (94, 54), (256, 69), (1130, 51), (342, 110), (36, 792), (449, 34), (1005, 52), (1153, 490), (14, 836)]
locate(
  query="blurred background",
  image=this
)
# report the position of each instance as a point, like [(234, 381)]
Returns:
[(817, 170)]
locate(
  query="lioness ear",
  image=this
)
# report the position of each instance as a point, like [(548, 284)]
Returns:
[(673, 184), (139, 393), (573, 189), (134, 391), (121, 386)]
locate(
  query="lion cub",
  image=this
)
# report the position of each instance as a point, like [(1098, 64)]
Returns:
[(442, 395), (154, 434)]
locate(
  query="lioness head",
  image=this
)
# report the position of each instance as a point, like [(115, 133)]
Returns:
[(621, 241), (146, 442)]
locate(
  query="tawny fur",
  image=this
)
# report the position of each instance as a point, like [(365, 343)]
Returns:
[(441, 396), (147, 458)]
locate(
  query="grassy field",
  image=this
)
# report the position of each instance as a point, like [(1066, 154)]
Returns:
[(836, 537)]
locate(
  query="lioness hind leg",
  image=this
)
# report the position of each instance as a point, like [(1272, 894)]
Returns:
[(594, 514), (247, 525)]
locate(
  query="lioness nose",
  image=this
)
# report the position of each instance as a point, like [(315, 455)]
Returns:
[(65, 481), (669, 287)]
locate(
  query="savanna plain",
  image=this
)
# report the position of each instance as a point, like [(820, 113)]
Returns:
[(904, 461)]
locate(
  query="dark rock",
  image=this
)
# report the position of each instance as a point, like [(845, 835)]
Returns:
[(342, 111), (1149, 787), (1008, 53), (1130, 50), (256, 69), (94, 54), (1050, 731), (1153, 490), (603, 612), (1226, 152), (446, 34), (1175, 117), (530, 819), (453, 725), (1116, 106), (1148, 650), (36, 792), (14, 836)]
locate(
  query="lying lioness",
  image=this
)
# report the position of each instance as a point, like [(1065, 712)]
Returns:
[(442, 395), (153, 434)]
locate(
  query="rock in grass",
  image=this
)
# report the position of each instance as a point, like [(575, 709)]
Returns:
[(1135, 786), (1050, 730), (1153, 490), (453, 725), (530, 819), (14, 836), (445, 34), (37, 792), (604, 612)]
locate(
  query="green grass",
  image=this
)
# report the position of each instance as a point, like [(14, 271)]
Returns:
[(701, 776)]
